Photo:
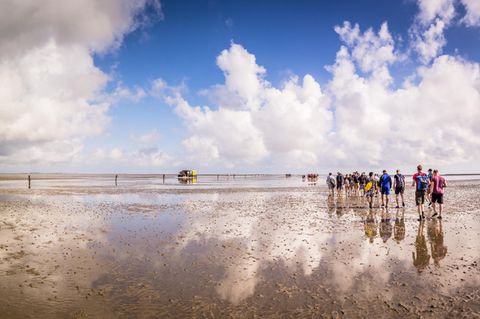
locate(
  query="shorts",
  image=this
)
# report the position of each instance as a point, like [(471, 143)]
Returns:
[(437, 198), (330, 186), (399, 190), (339, 186), (419, 197), (369, 193), (385, 191)]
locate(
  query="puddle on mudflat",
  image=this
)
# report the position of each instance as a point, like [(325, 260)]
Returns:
[(241, 253)]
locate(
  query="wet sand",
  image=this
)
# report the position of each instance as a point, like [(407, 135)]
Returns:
[(241, 252)]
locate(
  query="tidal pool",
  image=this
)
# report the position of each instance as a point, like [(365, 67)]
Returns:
[(242, 252)]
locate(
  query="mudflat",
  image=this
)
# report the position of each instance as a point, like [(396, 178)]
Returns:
[(263, 251)]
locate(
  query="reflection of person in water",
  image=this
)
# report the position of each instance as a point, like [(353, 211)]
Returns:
[(421, 258), (331, 206), (385, 226), (399, 227), (435, 235), (340, 206), (370, 225)]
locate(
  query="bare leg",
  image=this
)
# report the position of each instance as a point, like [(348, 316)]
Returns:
[(420, 211)]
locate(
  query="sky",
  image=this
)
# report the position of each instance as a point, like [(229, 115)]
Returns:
[(152, 86)]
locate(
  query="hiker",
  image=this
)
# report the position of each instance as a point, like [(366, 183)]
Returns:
[(399, 186), (385, 183), (347, 184), (377, 184), (355, 183), (429, 193), (331, 184), (436, 189), (370, 188), (421, 183), (340, 181), (362, 179)]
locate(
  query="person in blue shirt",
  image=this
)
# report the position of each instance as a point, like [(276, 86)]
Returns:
[(386, 186)]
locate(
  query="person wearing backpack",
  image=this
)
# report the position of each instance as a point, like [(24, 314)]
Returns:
[(355, 183), (362, 179), (331, 184), (385, 183), (370, 187), (421, 183), (340, 182), (399, 186), (438, 183)]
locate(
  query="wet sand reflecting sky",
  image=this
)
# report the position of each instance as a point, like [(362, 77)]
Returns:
[(241, 252)]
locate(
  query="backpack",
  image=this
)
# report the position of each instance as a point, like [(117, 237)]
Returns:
[(368, 186), (400, 180), (422, 182), (331, 181), (340, 179)]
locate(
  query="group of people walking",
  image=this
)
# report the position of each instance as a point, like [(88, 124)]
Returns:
[(429, 188)]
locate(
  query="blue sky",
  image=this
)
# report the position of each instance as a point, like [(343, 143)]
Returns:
[(290, 36), (287, 39)]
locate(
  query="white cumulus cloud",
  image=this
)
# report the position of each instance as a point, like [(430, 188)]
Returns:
[(472, 16), (431, 9), (52, 93), (427, 32), (370, 50), (254, 120), (360, 118), (429, 121)]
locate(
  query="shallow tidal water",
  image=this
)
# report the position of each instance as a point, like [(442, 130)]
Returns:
[(278, 249)]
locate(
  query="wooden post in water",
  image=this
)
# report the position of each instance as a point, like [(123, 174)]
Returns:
[(29, 181), (116, 178)]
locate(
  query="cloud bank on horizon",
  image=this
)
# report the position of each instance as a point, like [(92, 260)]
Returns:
[(54, 96)]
